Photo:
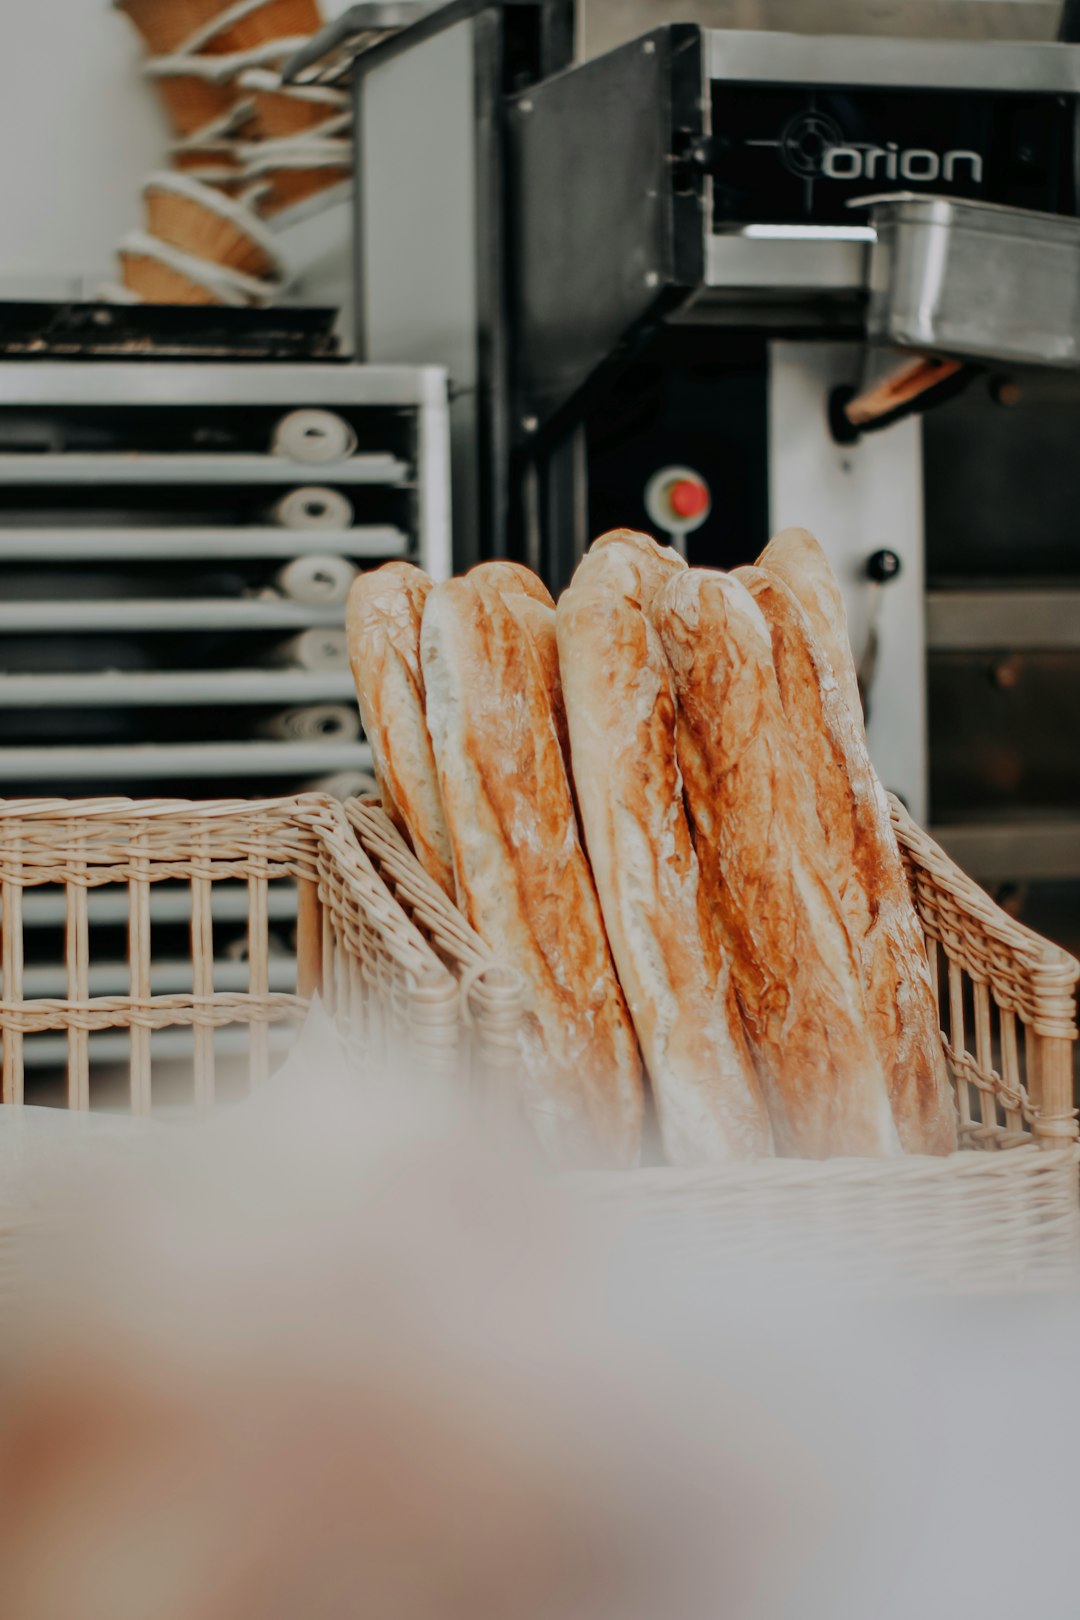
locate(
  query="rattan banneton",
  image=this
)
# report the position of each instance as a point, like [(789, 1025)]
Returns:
[(405, 974)]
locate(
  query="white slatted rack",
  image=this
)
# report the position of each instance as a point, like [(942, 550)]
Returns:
[(117, 676), (146, 507)]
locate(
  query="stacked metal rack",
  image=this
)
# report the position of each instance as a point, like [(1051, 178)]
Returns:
[(173, 566), (173, 569)]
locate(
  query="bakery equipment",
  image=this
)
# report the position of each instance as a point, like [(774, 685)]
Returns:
[(149, 586), (697, 284)]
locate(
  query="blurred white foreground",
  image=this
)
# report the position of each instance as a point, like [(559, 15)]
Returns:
[(331, 1356)]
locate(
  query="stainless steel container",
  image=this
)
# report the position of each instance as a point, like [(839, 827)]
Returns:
[(974, 279)]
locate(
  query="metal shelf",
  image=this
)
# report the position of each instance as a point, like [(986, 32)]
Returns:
[(144, 688), (152, 761), (147, 545), (135, 467), (185, 613), (330, 384)]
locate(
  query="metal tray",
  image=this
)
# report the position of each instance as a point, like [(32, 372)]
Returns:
[(974, 279)]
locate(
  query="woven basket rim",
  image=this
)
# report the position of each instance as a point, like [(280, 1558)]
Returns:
[(232, 285), (215, 202), (1037, 952)]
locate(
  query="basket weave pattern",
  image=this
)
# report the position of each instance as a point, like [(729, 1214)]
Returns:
[(404, 974), (973, 1222), (353, 942)]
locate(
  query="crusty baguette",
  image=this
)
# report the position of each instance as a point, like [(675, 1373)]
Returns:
[(508, 576), (631, 562), (677, 979), (523, 880), (797, 558), (868, 872), (382, 621), (766, 870), (531, 603)]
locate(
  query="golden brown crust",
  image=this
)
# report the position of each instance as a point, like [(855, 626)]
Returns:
[(677, 980), (868, 873), (538, 622), (797, 558), (505, 575), (523, 880), (382, 622), (632, 563), (766, 870)]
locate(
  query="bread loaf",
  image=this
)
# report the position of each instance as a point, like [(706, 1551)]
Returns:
[(638, 562), (523, 880), (506, 576), (382, 620), (797, 558), (677, 980), (868, 872), (530, 601), (766, 870)]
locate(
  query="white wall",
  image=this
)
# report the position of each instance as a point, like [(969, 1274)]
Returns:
[(80, 129)]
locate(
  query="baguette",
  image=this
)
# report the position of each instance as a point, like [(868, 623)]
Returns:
[(538, 622), (531, 603), (797, 558), (523, 880), (868, 872), (766, 871), (677, 980), (382, 622), (635, 562), (511, 577)]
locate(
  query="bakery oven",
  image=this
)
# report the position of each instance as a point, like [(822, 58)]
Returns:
[(713, 283)]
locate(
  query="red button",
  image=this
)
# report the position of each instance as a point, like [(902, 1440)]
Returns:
[(687, 497)]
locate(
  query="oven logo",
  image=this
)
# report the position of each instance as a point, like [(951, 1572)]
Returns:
[(812, 147)]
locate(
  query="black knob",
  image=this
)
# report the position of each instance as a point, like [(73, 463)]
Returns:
[(882, 567)]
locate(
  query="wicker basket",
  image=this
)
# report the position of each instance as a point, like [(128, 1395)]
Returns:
[(198, 96), (199, 221), (1003, 1217), (283, 111), (401, 969), (161, 274), (289, 172), (376, 971), (165, 25), (250, 23)]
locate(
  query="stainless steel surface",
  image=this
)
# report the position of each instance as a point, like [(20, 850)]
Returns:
[(1018, 620), (57, 382), (974, 280), (182, 613), (857, 499), (792, 260), (144, 545), (117, 763), (1023, 850), (751, 56), (603, 24), (140, 468), (417, 283), (141, 688)]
